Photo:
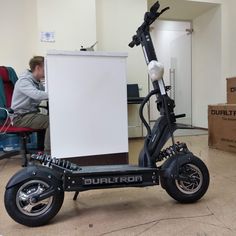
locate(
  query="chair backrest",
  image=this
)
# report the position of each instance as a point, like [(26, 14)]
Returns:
[(6, 90), (132, 91)]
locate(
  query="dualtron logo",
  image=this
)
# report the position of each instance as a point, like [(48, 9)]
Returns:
[(113, 180), (223, 112)]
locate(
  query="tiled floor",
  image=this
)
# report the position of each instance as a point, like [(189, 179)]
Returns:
[(144, 211)]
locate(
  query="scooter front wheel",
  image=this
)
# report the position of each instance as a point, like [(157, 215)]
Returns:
[(20, 204), (191, 184)]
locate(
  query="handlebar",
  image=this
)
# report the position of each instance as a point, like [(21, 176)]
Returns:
[(149, 18)]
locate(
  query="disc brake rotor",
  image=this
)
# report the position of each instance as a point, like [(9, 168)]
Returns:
[(193, 182), (25, 195)]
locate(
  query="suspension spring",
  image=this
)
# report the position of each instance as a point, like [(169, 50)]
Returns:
[(47, 160), (172, 150)]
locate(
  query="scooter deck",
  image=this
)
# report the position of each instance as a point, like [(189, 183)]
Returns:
[(110, 176), (112, 168)]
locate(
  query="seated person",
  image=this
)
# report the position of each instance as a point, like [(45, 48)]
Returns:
[(27, 95)]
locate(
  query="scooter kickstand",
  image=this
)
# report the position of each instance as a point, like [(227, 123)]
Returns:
[(76, 195)]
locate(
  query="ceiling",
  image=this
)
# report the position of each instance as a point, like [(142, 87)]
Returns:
[(182, 9)]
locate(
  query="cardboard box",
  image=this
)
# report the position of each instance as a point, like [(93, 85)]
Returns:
[(231, 90), (222, 126)]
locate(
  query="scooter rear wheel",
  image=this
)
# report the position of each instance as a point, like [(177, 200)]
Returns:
[(192, 184), (21, 207)]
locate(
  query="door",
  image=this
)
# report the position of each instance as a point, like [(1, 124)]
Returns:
[(172, 42)]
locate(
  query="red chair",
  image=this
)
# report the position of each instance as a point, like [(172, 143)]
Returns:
[(6, 115)]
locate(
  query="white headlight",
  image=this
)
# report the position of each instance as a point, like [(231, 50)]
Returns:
[(155, 70)]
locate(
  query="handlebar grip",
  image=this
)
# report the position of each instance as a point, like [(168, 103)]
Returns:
[(155, 7), (131, 44), (180, 116), (135, 41)]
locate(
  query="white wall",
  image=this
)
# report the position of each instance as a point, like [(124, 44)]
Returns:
[(218, 21), (112, 22), (207, 1), (18, 24), (206, 65), (228, 38), (73, 21), (117, 22)]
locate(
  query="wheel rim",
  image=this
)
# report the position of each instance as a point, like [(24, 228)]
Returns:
[(196, 179), (24, 198)]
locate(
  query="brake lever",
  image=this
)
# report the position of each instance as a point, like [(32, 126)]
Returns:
[(163, 10), (151, 16)]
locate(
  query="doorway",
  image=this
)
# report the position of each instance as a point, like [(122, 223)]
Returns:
[(173, 44)]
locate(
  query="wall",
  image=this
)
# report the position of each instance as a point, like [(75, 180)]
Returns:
[(117, 22), (221, 21), (206, 65), (21, 22), (73, 21), (228, 38), (207, 1), (228, 35), (208, 71), (81, 22), (18, 23)]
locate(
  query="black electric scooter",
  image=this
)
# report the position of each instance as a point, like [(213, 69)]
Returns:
[(35, 194)]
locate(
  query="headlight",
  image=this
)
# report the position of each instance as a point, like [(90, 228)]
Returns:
[(155, 70)]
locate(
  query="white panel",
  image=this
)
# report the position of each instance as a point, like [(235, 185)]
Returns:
[(210, 63), (88, 103)]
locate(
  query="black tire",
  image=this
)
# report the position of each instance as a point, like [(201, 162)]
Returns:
[(191, 190), (19, 207)]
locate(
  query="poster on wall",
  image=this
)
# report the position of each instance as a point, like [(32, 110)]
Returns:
[(47, 36)]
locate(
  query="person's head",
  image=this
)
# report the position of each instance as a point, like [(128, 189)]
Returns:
[(37, 67)]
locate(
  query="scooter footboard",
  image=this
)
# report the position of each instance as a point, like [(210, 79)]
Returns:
[(108, 177)]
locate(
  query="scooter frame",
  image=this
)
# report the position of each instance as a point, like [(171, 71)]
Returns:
[(62, 175)]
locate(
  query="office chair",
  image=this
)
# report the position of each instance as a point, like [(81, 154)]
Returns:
[(133, 97), (7, 82)]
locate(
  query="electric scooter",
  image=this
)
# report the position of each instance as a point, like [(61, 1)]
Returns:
[(35, 194)]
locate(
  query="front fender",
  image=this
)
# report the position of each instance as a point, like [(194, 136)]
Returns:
[(33, 172), (171, 166)]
